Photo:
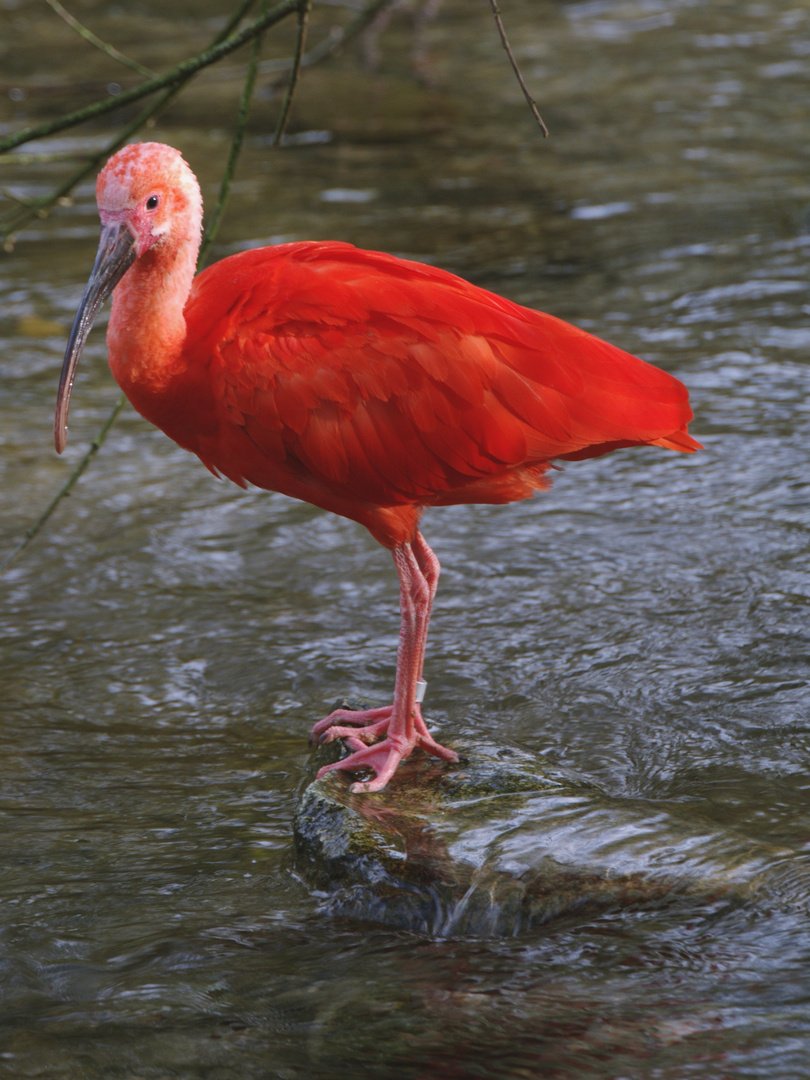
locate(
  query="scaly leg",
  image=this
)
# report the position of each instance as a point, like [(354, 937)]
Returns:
[(374, 722), (401, 723)]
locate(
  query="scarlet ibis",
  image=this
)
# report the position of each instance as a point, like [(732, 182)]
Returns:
[(359, 382)]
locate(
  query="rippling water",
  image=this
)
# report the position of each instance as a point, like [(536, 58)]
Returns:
[(169, 640)]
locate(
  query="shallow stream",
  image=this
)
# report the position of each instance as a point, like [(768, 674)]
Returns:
[(168, 641)]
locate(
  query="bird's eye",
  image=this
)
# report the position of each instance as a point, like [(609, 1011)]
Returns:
[(152, 202)]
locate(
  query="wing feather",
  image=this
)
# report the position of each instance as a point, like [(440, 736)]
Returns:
[(386, 382)]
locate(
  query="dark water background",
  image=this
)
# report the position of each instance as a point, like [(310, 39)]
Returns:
[(168, 642)]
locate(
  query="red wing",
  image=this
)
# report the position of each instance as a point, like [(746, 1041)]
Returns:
[(395, 382)]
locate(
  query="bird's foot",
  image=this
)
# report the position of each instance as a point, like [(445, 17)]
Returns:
[(382, 757)]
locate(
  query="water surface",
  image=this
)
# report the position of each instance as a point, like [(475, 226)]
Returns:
[(169, 640)]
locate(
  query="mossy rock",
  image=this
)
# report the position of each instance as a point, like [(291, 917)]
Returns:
[(502, 842)]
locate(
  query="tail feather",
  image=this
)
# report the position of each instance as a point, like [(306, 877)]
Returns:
[(679, 440)]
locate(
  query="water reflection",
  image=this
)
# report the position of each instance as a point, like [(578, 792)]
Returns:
[(168, 644)]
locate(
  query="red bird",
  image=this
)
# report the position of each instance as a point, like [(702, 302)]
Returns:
[(364, 384)]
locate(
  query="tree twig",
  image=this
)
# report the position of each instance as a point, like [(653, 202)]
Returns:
[(236, 147), (304, 9), (4, 191), (88, 35), (335, 41), (356, 26), (178, 74), (505, 42), (66, 487)]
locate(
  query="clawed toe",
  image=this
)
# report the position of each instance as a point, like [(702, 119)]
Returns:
[(363, 735), (382, 758), (360, 718)]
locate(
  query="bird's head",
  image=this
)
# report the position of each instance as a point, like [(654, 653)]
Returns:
[(149, 191), (150, 207)]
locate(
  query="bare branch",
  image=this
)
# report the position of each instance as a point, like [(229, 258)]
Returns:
[(335, 41), (178, 74), (295, 71), (505, 41), (88, 35), (66, 487), (236, 146)]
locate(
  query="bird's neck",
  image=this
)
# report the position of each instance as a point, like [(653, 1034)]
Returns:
[(147, 327)]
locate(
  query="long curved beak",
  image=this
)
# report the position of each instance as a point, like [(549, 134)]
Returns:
[(116, 253)]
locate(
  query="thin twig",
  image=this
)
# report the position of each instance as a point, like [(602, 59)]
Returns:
[(88, 35), (357, 25), (303, 23), (234, 21), (4, 191), (43, 157), (236, 147), (178, 74), (334, 42), (66, 487), (505, 41)]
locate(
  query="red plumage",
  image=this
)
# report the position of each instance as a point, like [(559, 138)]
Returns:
[(350, 377)]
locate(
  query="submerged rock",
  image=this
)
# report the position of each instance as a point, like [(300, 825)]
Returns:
[(502, 842)]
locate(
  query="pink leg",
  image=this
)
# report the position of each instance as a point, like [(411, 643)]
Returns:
[(374, 722), (401, 723)]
